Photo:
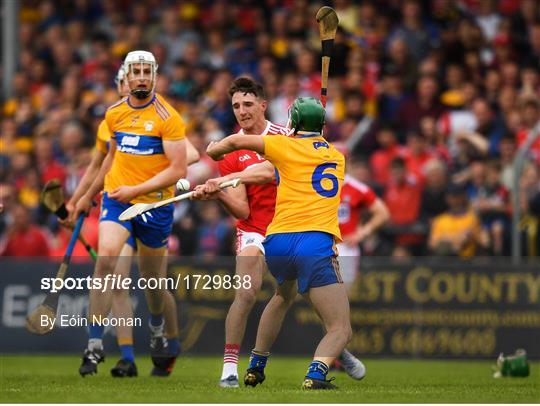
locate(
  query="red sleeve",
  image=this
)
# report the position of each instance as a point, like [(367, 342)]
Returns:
[(504, 194), (44, 251), (43, 243), (363, 195), (367, 197), (228, 165)]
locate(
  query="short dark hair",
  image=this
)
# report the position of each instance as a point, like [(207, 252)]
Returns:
[(247, 85), (397, 163)]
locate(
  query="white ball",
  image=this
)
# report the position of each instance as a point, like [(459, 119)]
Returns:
[(183, 185)]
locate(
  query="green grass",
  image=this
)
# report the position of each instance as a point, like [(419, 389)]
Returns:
[(47, 379)]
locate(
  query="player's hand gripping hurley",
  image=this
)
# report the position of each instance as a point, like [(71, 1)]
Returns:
[(140, 208), (328, 23)]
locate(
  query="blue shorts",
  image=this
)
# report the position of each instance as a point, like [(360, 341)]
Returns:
[(152, 229), (310, 257)]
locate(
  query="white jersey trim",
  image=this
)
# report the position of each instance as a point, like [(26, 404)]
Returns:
[(360, 186), (269, 125)]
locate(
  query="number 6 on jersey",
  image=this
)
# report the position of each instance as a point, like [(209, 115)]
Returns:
[(319, 175)]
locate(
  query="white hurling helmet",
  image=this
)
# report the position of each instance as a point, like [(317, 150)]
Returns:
[(138, 59)]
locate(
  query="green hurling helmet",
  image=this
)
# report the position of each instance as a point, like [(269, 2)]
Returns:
[(307, 114), (512, 365)]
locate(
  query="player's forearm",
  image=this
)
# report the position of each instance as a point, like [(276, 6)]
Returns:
[(237, 208), (257, 174), (226, 145), (97, 184), (162, 180), (379, 216), (89, 175), (235, 142)]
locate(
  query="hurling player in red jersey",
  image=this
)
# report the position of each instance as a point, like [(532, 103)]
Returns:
[(253, 205), (356, 196)]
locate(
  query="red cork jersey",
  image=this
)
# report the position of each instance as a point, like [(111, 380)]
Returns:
[(261, 198), (355, 196)]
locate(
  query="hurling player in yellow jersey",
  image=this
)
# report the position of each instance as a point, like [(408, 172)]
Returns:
[(121, 302), (300, 241), (147, 155)]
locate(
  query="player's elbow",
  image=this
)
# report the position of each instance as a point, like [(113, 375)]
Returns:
[(243, 213), (265, 177), (269, 175), (381, 212), (193, 156), (384, 215)]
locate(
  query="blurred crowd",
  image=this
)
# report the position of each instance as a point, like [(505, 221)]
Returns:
[(430, 100)]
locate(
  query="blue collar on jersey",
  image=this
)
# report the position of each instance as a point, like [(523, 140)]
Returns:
[(307, 134), (144, 105)]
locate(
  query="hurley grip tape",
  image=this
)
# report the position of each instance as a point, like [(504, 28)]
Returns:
[(327, 46)]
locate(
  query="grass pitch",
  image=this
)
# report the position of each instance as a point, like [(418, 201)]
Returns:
[(55, 379)]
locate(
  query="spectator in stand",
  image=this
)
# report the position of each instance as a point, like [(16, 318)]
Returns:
[(22, 238), (426, 103), (464, 75), (529, 190), (416, 155), (533, 53), (488, 125), (419, 37), (433, 200), (435, 139), (175, 36), (402, 197), (457, 231), (278, 109), (49, 167), (392, 95), (399, 58), (7, 202), (530, 113), (521, 23), (490, 200), (508, 149), (492, 87), (388, 150), (309, 75), (362, 139)]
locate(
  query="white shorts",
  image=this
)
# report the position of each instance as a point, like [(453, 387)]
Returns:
[(349, 262), (246, 239)]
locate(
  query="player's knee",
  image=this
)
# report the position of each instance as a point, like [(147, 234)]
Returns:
[(284, 300), (246, 297), (343, 329), (120, 294), (249, 264), (105, 265)]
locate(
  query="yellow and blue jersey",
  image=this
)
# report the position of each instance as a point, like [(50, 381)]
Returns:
[(310, 172), (139, 133), (103, 137)]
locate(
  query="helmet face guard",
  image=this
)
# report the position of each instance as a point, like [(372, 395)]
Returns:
[(306, 114), (119, 80), (138, 60)]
